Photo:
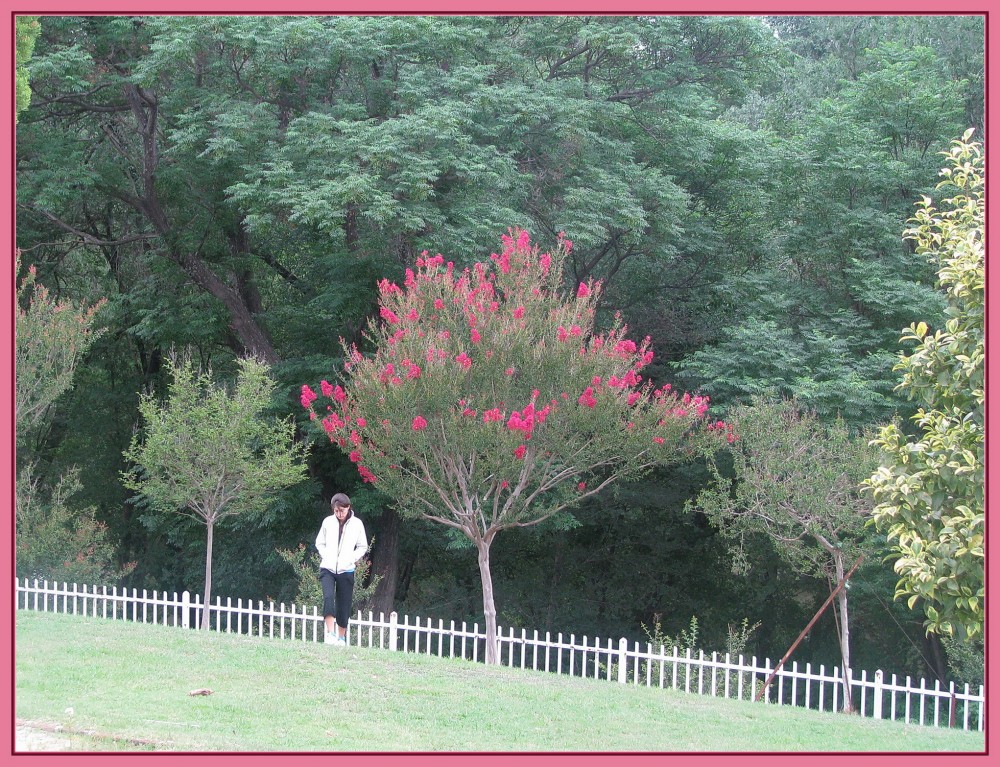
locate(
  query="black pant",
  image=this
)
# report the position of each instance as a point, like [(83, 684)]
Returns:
[(338, 593)]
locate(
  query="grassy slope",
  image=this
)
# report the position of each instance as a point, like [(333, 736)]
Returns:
[(132, 681)]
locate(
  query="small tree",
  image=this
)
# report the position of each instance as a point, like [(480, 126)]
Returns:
[(58, 542), (54, 540), (930, 488), (490, 401), (797, 481), (209, 452)]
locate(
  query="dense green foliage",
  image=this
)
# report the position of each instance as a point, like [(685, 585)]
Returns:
[(930, 488), (26, 29), (738, 185)]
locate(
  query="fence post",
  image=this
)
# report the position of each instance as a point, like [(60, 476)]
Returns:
[(877, 702), (186, 609), (622, 660), (393, 631)]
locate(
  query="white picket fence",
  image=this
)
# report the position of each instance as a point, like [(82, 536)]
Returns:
[(613, 660)]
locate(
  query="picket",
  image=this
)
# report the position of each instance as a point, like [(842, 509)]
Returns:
[(613, 661)]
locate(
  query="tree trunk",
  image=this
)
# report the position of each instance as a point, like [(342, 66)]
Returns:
[(208, 574), (845, 635), (489, 608), (249, 334), (385, 562)]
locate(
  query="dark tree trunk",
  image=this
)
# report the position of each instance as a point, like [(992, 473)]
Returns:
[(937, 662), (385, 562)]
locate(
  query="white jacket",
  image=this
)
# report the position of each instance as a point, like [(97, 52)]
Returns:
[(341, 556)]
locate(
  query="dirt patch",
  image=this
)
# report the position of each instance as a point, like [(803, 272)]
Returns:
[(37, 736)]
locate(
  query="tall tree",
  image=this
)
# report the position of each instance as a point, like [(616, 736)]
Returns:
[(796, 481), (492, 403), (209, 452), (930, 488)]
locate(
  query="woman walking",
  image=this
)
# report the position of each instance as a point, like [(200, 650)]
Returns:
[(341, 543)]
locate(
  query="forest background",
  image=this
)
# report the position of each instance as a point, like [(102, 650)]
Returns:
[(740, 185)]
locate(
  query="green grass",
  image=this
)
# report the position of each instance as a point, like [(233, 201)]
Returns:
[(129, 684)]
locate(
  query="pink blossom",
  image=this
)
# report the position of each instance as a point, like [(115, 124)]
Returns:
[(413, 316), (490, 416), (388, 315), (658, 440), (366, 474), (561, 333), (476, 338), (463, 360), (545, 261), (509, 371), (625, 347), (413, 372), (386, 288), (354, 456), (308, 396), (339, 394), (410, 280), (581, 487), (362, 423), (575, 330), (518, 312), (633, 397), (469, 412), (355, 438), (504, 485), (419, 423), (583, 291), (326, 388), (519, 451), (523, 240), (438, 303)]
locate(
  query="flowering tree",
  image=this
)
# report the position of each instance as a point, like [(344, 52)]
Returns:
[(490, 401)]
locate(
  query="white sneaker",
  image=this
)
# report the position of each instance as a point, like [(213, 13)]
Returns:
[(329, 638), (341, 642)]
